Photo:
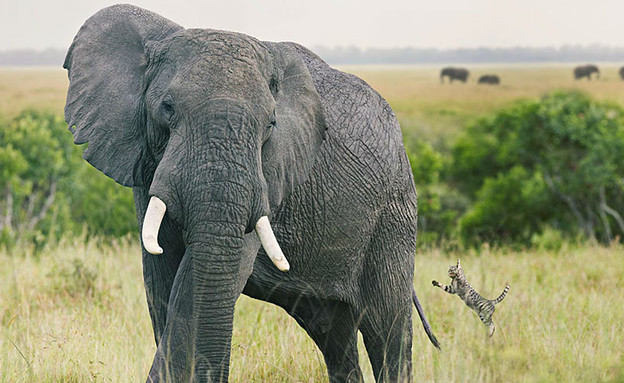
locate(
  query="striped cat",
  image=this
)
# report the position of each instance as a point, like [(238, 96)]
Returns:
[(460, 286)]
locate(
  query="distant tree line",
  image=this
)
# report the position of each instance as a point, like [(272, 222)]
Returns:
[(30, 57), (355, 55), (566, 53)]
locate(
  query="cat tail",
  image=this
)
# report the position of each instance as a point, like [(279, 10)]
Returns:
[(424, 321), (502, 296)]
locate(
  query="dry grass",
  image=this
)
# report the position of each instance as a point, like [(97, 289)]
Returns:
[(36, 88), (77, 313)]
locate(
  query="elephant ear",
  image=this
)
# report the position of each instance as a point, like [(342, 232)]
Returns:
[(291, 150), (106, 66)]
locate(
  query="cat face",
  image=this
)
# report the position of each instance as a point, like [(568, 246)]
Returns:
[(455, 271)]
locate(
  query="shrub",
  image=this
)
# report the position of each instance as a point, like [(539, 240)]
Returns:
[(47, 190), (438, 205), (558, 161)]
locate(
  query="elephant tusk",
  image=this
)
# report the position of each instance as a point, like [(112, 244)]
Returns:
[(270, 245), (151, 225)]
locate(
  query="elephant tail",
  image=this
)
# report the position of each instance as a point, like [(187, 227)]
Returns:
[(424, 321)]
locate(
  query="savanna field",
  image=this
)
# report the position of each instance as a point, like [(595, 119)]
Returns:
[(73, 309)]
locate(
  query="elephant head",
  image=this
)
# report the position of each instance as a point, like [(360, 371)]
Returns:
[(218, 126)]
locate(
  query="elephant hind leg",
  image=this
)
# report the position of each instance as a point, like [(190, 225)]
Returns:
[(386, 292), (389, 346), (387, 331), (333, 327)]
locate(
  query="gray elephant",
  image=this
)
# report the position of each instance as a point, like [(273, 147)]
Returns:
[(460, 74), (621, 72), (586, 71), (490, 79), (219, 134)]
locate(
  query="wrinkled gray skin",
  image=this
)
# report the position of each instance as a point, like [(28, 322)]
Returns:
[(490, 79), (224, 129), (621, 72), (586, 71), (460, 74)]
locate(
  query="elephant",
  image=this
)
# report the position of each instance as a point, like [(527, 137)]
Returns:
[(490, 79), (621, 72), (256, 169), (460, 74), (586, 71)]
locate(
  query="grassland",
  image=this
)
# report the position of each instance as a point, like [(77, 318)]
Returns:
[(436, 112), (76, 312), (32, 88)]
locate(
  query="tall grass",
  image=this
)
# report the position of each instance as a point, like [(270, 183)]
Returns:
[(76, 312)]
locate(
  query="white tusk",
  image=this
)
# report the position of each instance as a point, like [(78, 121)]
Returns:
[(270, 245), (151, 225)]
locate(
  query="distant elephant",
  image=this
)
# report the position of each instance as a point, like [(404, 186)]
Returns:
[(586, 71), (490, 79), (218, 134), (460, 74), (622, 73)]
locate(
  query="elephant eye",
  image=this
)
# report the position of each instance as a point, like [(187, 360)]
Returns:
[(272, 123), (269, 128), (167, 108)]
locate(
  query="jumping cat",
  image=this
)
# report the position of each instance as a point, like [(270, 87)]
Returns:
[(460, 286)]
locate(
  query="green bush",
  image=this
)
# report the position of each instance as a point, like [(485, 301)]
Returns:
[(47, 189), (438, 205), (556, 162)]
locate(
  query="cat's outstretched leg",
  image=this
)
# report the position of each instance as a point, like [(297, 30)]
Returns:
[(448, 289)]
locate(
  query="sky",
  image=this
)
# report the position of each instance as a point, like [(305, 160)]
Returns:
[(445, 24)]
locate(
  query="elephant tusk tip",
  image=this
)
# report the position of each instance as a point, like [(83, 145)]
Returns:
[(152, 248), (282, 265), (151, 245)]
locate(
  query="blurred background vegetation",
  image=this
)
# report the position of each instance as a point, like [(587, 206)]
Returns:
[(47, 191), (514, 165)]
